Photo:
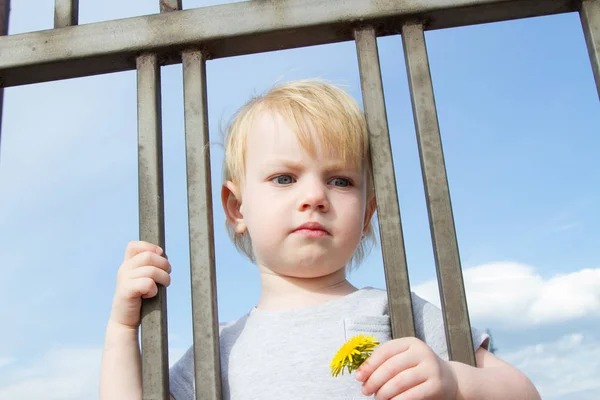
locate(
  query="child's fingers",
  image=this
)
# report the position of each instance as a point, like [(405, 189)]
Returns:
[(156, 274), (147, 258), (144, 288), (137, 246), (401, 383), (381, 355), (393, 367), (420, 391)]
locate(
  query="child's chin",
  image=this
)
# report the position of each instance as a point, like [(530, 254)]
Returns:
[(313, 272)]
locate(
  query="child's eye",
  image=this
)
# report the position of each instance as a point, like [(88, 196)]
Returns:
[(283, 179), (340, 182)]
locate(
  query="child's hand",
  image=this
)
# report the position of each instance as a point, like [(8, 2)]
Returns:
[(142, 268), (407, 368)]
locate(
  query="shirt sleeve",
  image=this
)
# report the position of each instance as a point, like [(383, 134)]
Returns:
[(429, 327), (181, 377)]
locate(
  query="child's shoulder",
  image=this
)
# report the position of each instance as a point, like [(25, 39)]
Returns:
[(232, 326), (375, 297)]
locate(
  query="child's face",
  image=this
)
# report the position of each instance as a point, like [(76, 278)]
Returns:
[(285, 188)]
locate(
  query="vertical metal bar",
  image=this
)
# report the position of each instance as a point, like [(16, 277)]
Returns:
[(4, 14), (441, 220), (388, 210), (170, 5), (66, 13), (200, 214), (155, 366), (155, 351), (590, 19)]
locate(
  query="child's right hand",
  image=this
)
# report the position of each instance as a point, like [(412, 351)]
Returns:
[(143, 267)]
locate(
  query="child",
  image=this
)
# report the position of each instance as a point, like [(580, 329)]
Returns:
[(298, 196)]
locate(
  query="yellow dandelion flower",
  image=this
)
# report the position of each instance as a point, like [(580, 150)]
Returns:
[(352, 354)]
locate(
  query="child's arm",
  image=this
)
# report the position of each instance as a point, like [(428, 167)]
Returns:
[(493, 379), (407, 368), (142, 268)]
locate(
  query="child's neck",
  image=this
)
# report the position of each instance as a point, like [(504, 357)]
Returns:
[(280, 292)]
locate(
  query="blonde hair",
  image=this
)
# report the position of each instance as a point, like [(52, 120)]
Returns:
[(307, 106)]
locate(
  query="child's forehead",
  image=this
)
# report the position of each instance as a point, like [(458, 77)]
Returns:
[(278, 133)]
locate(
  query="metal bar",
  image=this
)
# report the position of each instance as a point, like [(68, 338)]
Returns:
[(235, 29), (388, 210), (66, 13), (4, 14), (155, 366), (155, 357), (443, 234), (170, 5), (590, 19), (200, 213)]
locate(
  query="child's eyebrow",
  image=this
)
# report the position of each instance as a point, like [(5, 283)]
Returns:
[(297, 166), (277, 163)]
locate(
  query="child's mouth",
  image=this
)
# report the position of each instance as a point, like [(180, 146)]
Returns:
[(312, 229), (311, 232)]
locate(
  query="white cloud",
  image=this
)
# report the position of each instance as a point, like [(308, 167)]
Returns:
[(514, 294), (565, 369), (65, 374)]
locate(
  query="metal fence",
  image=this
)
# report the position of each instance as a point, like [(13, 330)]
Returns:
[(192, 37)]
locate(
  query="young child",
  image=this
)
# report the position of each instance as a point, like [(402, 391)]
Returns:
[(298, 196)]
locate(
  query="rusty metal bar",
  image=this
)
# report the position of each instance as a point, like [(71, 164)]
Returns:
[(441, 220), (200, 213), (4, 14), (170, 5), (66, 13), (155, 365), (235, 29), (388, 210), (590, 19)]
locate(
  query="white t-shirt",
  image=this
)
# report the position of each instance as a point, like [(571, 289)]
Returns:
[(286, 354)]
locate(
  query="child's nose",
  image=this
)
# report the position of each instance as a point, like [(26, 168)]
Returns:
[(314, 197)]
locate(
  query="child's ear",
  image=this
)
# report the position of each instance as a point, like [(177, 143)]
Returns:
[(230, 197), (371, 208)]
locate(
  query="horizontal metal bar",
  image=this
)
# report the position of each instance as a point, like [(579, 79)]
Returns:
[(235, 29), (66, 13), (445, 245), (201, 227), (155, 365), (590, 19), (388, 210)]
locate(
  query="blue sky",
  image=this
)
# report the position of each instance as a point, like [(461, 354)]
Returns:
[(519, 116)]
